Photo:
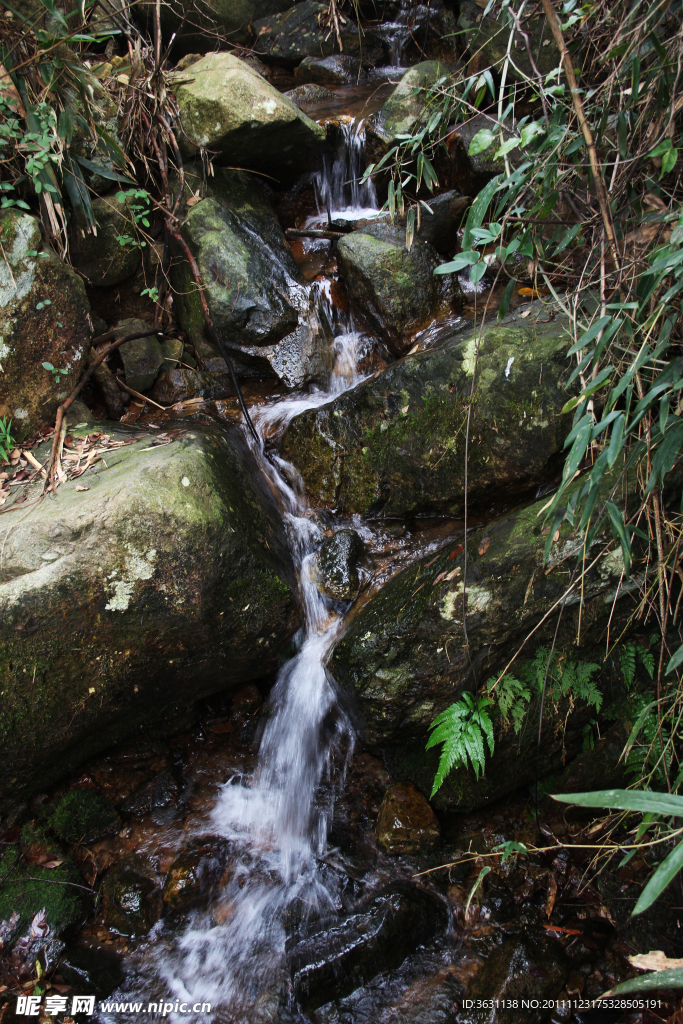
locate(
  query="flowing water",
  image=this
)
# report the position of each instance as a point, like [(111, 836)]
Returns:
[(339, 192)]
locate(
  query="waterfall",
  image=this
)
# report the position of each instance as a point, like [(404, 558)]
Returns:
[(339, 192)]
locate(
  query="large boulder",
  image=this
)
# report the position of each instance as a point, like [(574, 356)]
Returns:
[(405, 107), (199, 26), (112, 255), (257, 298), (301, 32), (339, 69), (44, 318), (227, 107), (154, 579), (488, 38), (403, 432), (392, 287), (406, 655)]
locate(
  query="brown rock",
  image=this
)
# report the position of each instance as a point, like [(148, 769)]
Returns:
[(406, 823)]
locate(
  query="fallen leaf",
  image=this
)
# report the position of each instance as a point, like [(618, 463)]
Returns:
[(484, 546), (564, 931), (655, 960), (552, 896), (20, 500), (82, 487), (525, 313), (51, 863), (455, 552), (530, 293), (9, 92), (454, 572), (194, 199), (11, 836), (438, 578), (432, 562)]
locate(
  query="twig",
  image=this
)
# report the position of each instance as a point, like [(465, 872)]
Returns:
[(136, 394)]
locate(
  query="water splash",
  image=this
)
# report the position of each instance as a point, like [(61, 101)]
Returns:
[(339, 192)]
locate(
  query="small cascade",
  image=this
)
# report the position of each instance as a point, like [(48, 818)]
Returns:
[(339, 192)]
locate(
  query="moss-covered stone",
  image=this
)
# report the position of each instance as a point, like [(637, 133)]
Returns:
[(226, 106), (395, 445), (254, 290), (301, 32), (405, 656), (402, 111), (393, 287), (336, 565), (82, 816), (44, 318), (488, 42), (124, 604), (27, 887), (101, 258)]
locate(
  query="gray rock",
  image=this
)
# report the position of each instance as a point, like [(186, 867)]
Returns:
[(44, 318), (142, 358), (300, 32), (394, 288), (102, 259), (172, 350), (307, 95), (197, 26), (257, 298), (403, 110), (403, 430), (338, 69), (177, 385), (168, 582), (228, 107), (336, 565)]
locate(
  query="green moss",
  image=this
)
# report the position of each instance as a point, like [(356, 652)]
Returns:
[(81, 813), (27, 888)]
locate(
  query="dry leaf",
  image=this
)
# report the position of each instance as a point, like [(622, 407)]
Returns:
[(484, 546), (438, 578), (454, 572), (552, 896), (9, 93), (194, 199), (82, 487), (654, 961), (455, 552), (525, 313)]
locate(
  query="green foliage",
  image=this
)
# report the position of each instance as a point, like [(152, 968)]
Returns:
[(6, 439), (58, 374), (81, 813), (513, 699), (138, 203), (461, 729)]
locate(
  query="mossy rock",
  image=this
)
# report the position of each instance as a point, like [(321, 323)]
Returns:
[(402, 432), (102, 259), (26, 887), (44, 318), (196, 27), (82, 816), (300, 32), (125, 604), (132, 902), (404, 109)]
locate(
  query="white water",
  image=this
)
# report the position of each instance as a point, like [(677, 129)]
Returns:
[(232, 956), (339, 192)]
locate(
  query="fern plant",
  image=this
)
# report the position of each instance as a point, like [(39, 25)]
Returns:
[(462, 728), (513, 696)]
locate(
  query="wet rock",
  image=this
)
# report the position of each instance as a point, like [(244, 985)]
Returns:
[(256, 295), (82, 816), (246, 699), (229, 108), (176, 385), (403, 431), (531, 969), (195, 873), (78, 413), (488, 40), (343, 955), (44, 318), (429, 1000), (406, 823), (172, 351), (166, 582), (339, 69), (161, 791), (603, 762), (132, 902), (438, 228), (336, 566), (394, 288), (307, 95), (100, 258), (108, 385), (197, 28), (404, 658), (91, 971), (301, 32), (142, 358), (404, 108)]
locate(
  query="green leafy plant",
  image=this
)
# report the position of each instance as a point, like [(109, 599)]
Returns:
[(58, 374), (7, 442), (461, 729)]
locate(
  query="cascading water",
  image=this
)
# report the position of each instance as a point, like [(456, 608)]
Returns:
[(233, 955), (339, 192)]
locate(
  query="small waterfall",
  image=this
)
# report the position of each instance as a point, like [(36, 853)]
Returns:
[(339, 192)]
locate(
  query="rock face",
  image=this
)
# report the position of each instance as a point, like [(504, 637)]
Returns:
[(300, 32), (404, 657), (488, 39), (256, 296), (196, 25), (406, 823), (160, 584), (230, 108), (343, 955), (100, 258), (336, 565), (403, 431), (195, 873), (393, 287), (404, 108), (44, 318)]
